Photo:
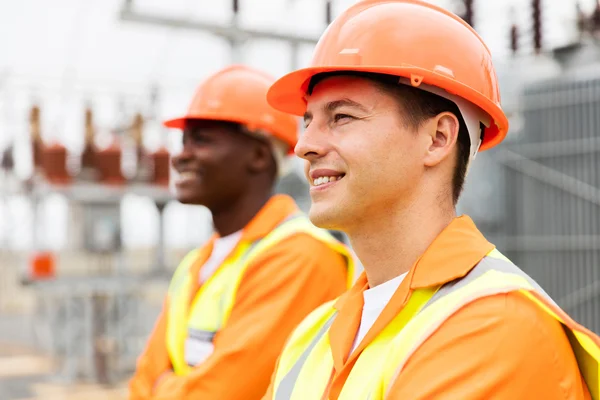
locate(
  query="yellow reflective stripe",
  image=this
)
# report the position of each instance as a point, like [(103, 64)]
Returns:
[(301, 339), (211, 305), (178, 295), (176, 330), (588, 359), (431, 317), (317, 369), (180, 274), (366, 374)]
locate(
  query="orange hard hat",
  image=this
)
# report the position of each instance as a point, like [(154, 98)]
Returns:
[(239, 94), (424, 45)]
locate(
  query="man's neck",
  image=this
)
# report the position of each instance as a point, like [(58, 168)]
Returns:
[(390, 243), (239, 213)]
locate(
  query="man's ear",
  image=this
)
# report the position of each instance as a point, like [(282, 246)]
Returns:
[(443, 130), (261, 157)]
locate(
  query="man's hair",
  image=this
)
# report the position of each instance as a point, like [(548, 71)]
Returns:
[(418, 106)]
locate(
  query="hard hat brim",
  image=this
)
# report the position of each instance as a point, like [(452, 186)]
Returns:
[(288, 93), (176, 123), (179, 123)]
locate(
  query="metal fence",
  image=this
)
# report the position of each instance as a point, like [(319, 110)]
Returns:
[(548, 193)]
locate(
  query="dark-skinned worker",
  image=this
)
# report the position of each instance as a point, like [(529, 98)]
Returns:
[(399, 98), (232, 303)]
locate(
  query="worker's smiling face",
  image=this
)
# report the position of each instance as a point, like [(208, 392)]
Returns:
[(361, 157), (213, 164)]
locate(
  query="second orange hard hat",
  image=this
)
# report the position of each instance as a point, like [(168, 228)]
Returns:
[(238, 94)]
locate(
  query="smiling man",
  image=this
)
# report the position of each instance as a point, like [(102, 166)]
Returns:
[(400, 97), (232, 303)]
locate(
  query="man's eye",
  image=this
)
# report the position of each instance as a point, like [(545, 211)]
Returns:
[(339, 117), (199, 138)]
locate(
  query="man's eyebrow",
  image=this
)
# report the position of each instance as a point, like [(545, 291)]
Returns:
[(334, 105)]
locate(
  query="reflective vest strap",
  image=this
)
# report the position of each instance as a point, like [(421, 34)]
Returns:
[(301, 338), (295, 223), (495, 274), (589, 363), (239, 261), (181, 272), (435, 313), (201, 335), (221, 309), (299, 223), (286, 385), (178, 295), (494, 261)]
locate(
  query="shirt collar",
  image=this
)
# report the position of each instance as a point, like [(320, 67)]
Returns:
[(452, 254)]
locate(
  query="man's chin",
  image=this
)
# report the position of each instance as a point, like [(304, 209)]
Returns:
[(189, 199), (326, 217)]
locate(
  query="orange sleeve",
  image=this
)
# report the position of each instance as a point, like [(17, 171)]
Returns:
[(153, 361), (497, 348), (278, 290)]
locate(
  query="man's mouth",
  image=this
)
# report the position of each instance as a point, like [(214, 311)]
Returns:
[(187, 176)]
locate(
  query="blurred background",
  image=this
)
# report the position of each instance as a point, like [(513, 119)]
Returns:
[(89, 231)]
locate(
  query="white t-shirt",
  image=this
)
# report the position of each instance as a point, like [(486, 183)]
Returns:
[(375, 300), (221, 249)]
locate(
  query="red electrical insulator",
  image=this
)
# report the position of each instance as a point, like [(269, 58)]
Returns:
[(54, 164), (161, 160)]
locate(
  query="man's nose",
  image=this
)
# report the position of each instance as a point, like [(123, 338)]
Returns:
[(312, 143), (183, 157)]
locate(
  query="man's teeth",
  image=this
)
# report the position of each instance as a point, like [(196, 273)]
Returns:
[(187, 175), (326, 179)]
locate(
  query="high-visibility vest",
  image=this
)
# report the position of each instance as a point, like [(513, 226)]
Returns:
[(306, 364), (210, 307)]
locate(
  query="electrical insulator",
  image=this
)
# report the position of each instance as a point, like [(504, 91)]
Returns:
[(595, 20), (468, 12), (89, 126), (328, 12), (581, 19), (36, 136), (537, 24), (514, 38)]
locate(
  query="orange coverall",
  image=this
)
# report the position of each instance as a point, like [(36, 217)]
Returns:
[(279, 288)]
